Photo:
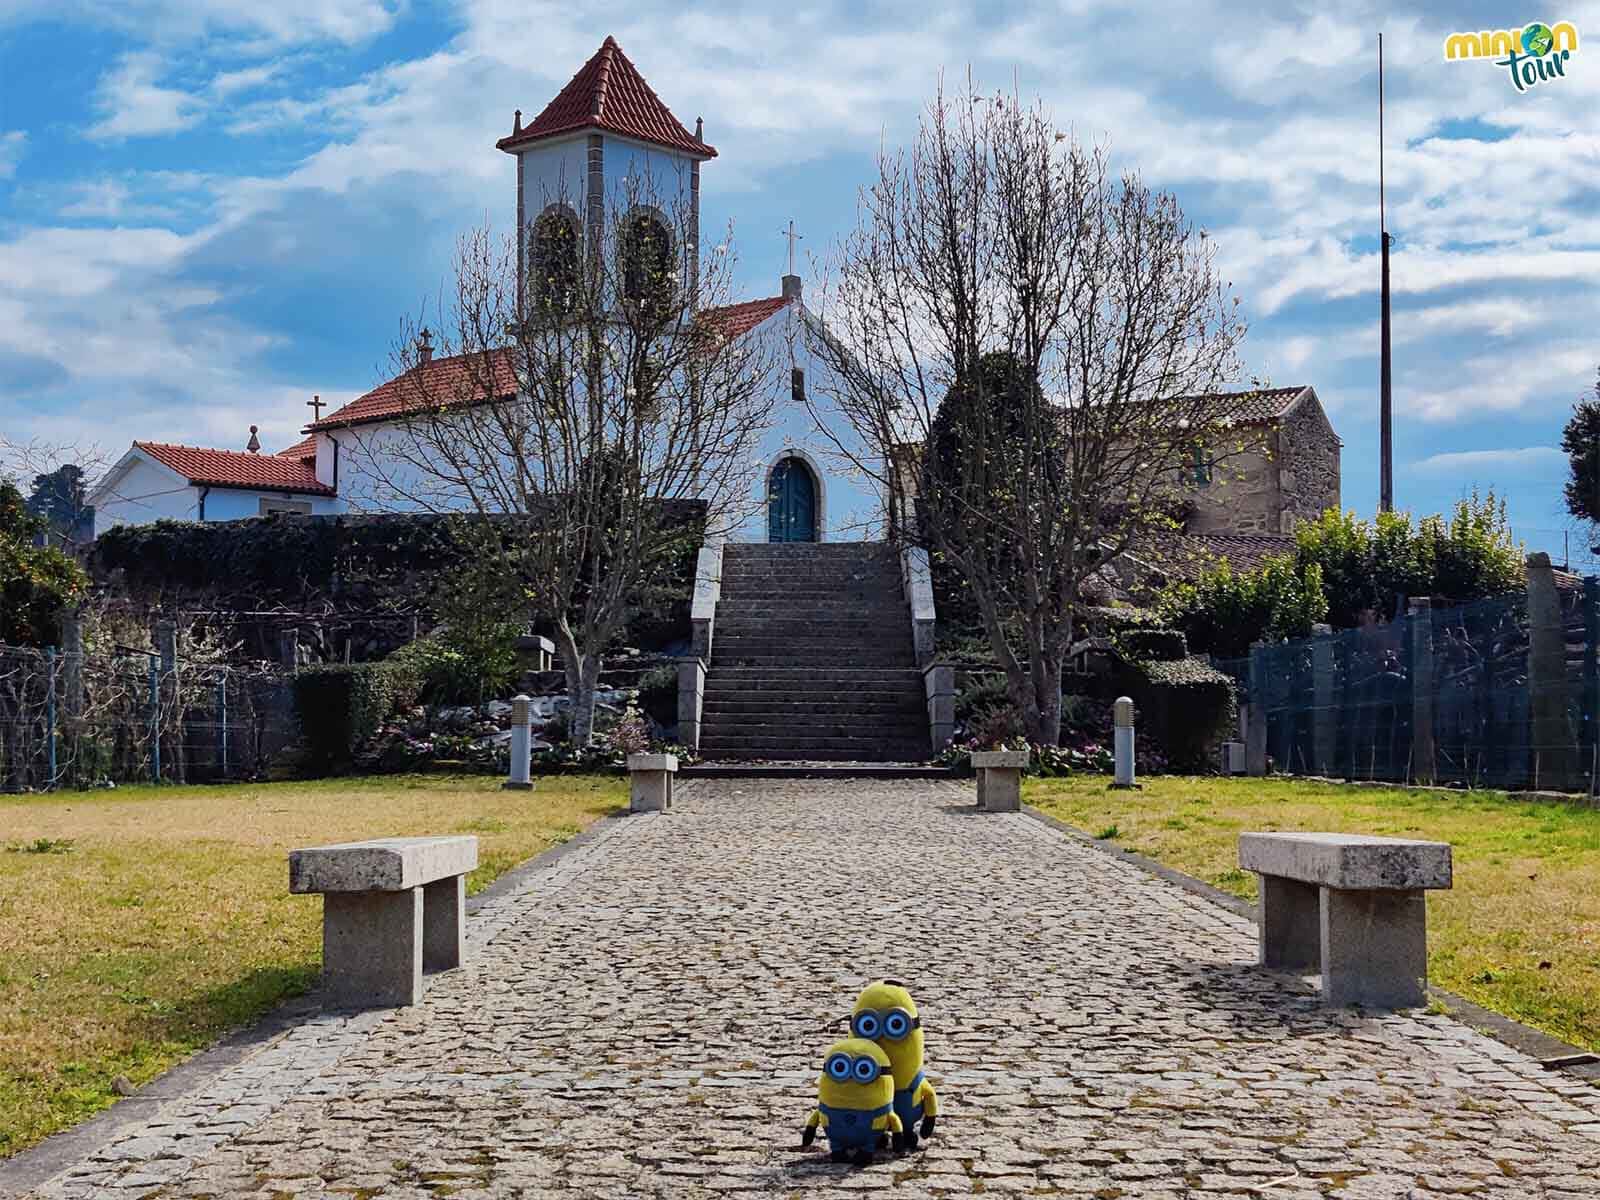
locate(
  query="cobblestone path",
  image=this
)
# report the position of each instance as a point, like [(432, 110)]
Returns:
[(646, 1017)]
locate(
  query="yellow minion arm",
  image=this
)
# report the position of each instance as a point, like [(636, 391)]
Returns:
[(817, 1118), (890, 1121), (928, 1098)]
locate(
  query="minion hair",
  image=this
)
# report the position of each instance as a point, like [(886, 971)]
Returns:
[(894, 983)]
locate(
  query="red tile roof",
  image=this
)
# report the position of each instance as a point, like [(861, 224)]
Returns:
[(1263, 404), (609, 94), (237, 469), (305, 450), (735, 320), (458, 379)]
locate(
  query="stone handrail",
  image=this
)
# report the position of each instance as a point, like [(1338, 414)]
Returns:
[(707, 591), (918, 580)]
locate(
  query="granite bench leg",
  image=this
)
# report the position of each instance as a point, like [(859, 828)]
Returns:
[(1374, 948), (651, 791), (372, 948), (1289, 921), (1000, 789), (444, 923)]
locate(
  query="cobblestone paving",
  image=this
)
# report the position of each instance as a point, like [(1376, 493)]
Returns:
[(646, 1017)]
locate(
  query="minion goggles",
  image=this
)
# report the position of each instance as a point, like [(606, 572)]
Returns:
[(841, 1068), (894, 1024)]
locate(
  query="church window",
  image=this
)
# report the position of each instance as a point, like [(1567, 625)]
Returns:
[(1201, 466), (555, 261), (646, 257)]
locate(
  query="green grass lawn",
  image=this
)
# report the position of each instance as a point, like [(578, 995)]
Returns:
[(138, 925), (1520, 931)]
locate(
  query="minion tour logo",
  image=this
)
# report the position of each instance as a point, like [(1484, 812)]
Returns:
[(1533, 54)]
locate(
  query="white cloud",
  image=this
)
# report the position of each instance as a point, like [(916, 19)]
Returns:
[(136, 105), (11, 148), (1476, 464), (281, 22)]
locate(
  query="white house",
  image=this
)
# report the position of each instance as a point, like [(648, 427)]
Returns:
[(605, 129), (156, 481)]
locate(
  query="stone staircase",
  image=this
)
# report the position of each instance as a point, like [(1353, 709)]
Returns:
[(812, 658)]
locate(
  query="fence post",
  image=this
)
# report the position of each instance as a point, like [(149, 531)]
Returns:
[(72, 665), (1255, 726), (50, 716), (289, 648), (155, 719), (222, 727), (1552, 750), (167, 647), (1322, 714), (1422, 740), (1591, 679)]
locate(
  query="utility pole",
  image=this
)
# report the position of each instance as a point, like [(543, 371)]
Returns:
[(1386, 398)]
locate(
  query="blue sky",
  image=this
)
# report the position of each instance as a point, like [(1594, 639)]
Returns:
[(211, 209)]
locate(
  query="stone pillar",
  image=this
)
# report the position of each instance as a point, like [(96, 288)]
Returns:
[(444, 923), (1552, 757), (544, 654), (999, 775), (167, 646), (1255, 729), (1289, 923), (650, 782), (691, 699), (289, 648), (939, 684), (1421, 638), (1122, 742), (521, 774), (1324, 719), (72, 665), (1374, 948), (372, 948)]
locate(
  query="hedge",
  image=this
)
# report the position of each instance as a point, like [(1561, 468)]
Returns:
[(343, 705), (1186, 705), (1152, 645)]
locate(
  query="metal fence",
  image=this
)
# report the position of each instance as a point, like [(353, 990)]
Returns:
[(77, 720), (1499, 693)]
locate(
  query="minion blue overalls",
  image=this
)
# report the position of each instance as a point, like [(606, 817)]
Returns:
[(850, 1129)]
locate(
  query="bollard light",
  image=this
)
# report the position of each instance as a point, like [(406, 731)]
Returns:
[(1122, 719), (521, 744)]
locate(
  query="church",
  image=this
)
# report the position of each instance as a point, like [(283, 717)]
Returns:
[(604, 128)]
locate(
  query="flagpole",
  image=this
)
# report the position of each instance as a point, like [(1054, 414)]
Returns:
[(1386, 399)]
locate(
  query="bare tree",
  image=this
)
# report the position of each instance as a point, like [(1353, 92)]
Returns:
[(583, 409), (1027, 350)]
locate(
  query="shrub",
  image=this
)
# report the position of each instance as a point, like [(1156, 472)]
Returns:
[(981, 693), (658, 694), (1222, 613), (36, 582), (462, 665), (341, 706), (1152, 645), (1184, 708)]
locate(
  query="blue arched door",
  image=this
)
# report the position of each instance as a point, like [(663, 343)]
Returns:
[(791, 503)]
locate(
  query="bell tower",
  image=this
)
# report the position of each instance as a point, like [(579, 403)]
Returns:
[(605, 142)]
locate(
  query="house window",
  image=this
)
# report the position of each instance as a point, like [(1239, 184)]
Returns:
[(646, 257), (555, 261), (1201, 466), (293, 508)]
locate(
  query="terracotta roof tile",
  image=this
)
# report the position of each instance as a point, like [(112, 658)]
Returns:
[(1263, 404), (305, 450), (735, 320), (454, 380), (237, 469), (1187, 556), (609, 94)]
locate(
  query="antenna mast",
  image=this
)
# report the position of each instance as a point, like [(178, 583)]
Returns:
[(1386, 399)]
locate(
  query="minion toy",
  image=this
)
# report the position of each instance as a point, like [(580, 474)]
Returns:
[(886, 1014), (855, 1102)]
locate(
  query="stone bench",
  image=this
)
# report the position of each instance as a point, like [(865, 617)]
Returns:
[(650, 782), (1350, 904), (999, 779), (391, 909)]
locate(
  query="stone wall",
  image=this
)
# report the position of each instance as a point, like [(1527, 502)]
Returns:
[(1308, 464)]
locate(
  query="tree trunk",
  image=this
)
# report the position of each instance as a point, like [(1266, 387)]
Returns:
[(583, 677)]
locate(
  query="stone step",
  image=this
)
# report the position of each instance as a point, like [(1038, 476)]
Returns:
[(798, 700), (746, 704), (721, 659), (776, 627), (732, 642), (820, 676), (849, 749)]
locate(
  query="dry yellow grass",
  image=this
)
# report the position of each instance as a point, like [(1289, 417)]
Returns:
[(1520, 931), (137, 925)]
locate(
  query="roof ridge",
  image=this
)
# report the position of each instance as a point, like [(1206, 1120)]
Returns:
[(602, 86)]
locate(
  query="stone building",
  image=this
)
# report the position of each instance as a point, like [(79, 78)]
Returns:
[(1282, 469)]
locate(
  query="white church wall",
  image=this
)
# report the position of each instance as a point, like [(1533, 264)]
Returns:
[(553, 172), (143, 493), (851, 509)]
